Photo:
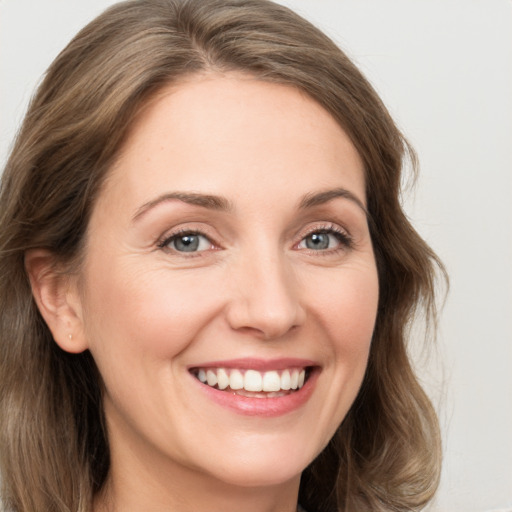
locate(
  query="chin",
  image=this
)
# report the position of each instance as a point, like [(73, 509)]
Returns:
[(255, 474), (263, 465)]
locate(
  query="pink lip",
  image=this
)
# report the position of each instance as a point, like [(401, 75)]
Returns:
[(264, 407)]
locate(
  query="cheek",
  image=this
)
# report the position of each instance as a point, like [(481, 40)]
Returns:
[(348, 309), (150, 314)]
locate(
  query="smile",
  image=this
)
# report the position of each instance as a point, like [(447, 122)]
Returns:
[(258, 387), (253, 383)]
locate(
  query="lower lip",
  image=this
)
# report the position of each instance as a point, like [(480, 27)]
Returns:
[(265, 407)]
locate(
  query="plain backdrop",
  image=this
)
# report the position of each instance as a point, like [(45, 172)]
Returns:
[(444, 69)]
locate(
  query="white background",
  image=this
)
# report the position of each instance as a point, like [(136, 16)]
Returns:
[(444, 68)]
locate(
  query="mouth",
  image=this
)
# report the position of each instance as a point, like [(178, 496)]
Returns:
[(258, 387), (252, 383)]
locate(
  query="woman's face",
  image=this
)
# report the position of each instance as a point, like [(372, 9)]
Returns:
[(229, 243)]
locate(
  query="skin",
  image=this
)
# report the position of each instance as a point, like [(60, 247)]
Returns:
[(149, 312)]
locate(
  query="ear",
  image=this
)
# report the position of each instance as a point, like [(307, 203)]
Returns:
[(56, 295)]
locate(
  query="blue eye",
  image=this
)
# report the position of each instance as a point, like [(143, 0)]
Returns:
[(318, 241), (187, 242), (324, 240)]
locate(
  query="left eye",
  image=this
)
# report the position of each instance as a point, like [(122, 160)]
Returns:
[(320, 241), (188, 242)]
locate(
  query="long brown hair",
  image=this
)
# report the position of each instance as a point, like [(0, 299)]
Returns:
[(54, 453)]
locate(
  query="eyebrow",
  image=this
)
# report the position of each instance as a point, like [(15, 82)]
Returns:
[(219, 203), (207, 201), (319, 198)]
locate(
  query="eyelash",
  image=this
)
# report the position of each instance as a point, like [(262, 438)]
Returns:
[(345, 240)]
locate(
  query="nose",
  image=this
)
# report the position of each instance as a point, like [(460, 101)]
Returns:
[(265, 297)]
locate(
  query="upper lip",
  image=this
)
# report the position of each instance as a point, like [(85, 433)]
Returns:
[(262, 365)]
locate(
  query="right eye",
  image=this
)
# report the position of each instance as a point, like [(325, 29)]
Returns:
[(187, 242)]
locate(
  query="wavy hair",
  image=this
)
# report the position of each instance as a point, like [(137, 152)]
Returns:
[(54, 453)]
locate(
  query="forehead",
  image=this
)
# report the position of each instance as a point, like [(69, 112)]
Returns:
[(213, 132)]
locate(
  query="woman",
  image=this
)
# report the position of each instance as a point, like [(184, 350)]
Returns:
[(207, 276)]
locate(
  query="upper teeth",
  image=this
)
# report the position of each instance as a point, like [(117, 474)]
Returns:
[(252, 380)]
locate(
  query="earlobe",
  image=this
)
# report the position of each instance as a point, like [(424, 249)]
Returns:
[(57, 299)]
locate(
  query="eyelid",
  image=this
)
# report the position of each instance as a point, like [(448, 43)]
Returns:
[(323, 226)]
